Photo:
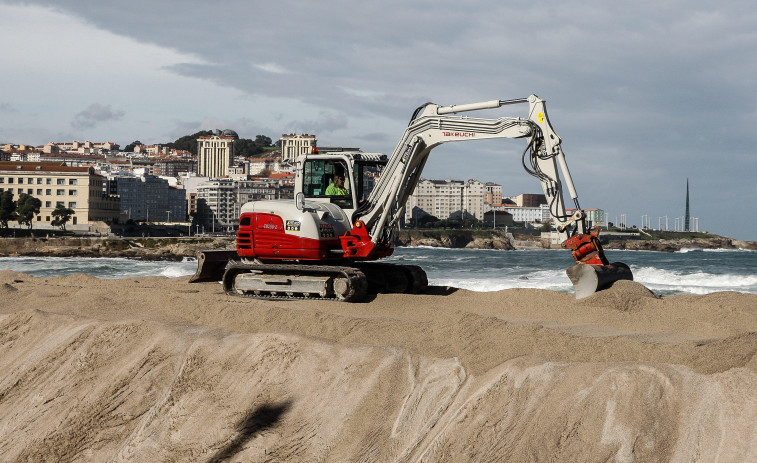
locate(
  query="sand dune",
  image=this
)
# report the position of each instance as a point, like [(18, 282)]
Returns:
[(156, 369)]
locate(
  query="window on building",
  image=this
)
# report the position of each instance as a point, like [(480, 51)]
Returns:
[(48, 191), (20, 180), (10, 179), (2, 179), (39, 191), (61, 181), (72, 192), (48, 204), (72, 181), (39, 180), (72, 204), (61, 192), (60, 203), (30, 191), (48, 181)]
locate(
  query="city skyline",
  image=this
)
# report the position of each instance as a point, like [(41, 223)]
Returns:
[(643, 94), (679, 223)]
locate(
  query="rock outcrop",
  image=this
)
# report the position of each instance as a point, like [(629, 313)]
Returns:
[(678, 244)]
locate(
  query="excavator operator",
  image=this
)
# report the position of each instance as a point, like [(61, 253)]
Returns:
[(336, 188)]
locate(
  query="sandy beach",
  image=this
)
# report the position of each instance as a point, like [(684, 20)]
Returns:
[(157, 369)]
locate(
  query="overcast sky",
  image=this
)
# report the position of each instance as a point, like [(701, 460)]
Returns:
[(644, 94)]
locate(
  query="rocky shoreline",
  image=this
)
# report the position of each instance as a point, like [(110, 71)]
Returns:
[(180, 248), (142, 248), (497, 240)]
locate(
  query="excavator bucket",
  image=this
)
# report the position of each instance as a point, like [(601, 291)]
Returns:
[(592, 271), (211, 265), (588, 278)]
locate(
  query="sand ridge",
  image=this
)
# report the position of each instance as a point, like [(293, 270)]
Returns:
[(157, 369)]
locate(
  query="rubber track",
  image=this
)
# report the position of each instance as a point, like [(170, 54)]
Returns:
[(358, 284), (417, 282)]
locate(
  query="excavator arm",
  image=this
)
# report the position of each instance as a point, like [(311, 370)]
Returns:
[(377, 221)]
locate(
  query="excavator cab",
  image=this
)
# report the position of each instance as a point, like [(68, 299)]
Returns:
[(359, 170), (319, 181)]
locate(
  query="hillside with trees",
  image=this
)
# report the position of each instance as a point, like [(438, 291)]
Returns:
[(244, 147)]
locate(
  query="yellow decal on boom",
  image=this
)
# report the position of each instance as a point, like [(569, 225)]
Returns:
[(541, 118)]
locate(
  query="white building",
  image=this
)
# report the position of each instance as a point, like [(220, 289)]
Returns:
[(447, 199), (217, 205), (214, 155), (76, 146), (218, 201), (294, 145), (527, 214), (258, 165)]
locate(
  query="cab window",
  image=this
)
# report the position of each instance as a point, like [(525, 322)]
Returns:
[(318, 174), (366, 177)]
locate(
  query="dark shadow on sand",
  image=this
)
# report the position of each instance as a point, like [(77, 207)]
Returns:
[(255, 422), (440, 290)]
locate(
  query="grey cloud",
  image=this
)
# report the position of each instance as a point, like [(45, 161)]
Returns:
[(324, 124), (7, 107), (639, 91), (94, 114)]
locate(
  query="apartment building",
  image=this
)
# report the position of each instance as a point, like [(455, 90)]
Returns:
[(173, 167), (148, 198), (526, 214), (493, 193), (595, 217), (293, 145), (258, 165), (75, 146), (78, 188), (530, 200), (218, 202), (446, 199), (217, 208), (215, 154), (152, 149)]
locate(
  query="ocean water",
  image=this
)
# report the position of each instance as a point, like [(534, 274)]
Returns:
[(690, 271)]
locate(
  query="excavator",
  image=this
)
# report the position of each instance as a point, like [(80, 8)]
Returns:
[(325, 243)]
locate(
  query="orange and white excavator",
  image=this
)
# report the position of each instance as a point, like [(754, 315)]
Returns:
[(325, 245)]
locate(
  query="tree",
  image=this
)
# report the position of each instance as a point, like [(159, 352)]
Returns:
[(263, 141), (245, 148), (26, 208), (189, 142), (130, 147), (61, 215), (7, 208)]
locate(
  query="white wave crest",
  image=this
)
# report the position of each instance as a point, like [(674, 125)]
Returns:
[(544, 279), (694, 282)]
